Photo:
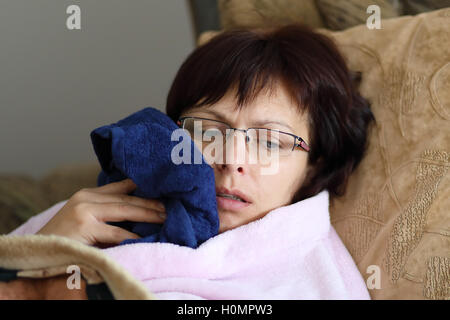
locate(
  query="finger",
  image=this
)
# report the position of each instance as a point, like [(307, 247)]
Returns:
[(115, 212), (125, 186), (113, 234), (137, 201)]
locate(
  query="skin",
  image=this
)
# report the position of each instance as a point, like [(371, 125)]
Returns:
[(267, 192)]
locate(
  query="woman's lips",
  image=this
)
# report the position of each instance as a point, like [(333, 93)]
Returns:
[(230, 204)]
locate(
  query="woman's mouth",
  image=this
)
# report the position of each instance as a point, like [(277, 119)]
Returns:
[(230, 196), (231, 200), (229, 204)]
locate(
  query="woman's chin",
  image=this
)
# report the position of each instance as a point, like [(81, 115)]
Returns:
[(228, 221)]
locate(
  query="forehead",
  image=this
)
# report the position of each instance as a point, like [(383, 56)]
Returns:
[(270, 103)]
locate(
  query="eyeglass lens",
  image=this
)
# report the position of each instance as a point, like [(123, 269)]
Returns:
[(259, 141)]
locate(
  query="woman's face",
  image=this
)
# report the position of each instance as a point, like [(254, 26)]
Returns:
[(264, 192)]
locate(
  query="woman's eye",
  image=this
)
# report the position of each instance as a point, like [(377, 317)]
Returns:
[(272, 145)]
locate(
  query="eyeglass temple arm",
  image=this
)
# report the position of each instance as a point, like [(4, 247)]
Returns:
[(302, 145)]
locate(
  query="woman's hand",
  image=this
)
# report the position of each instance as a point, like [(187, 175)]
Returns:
[(85, 214)]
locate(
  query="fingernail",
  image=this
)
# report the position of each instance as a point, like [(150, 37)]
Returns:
[(162, 215), (161, 206)]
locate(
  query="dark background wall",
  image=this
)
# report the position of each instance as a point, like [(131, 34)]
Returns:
[(56, 85)]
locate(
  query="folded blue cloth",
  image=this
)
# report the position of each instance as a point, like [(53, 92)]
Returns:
[(139, 147)]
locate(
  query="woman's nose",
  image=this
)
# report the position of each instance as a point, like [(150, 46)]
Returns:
[(232, 168), (235, 157), (235, 148)]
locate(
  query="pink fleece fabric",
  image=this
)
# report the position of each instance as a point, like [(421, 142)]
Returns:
[(291, 253)]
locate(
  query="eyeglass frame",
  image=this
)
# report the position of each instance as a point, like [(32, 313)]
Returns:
[(302, 145)]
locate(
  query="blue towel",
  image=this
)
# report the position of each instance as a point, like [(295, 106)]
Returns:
[(139, 147)]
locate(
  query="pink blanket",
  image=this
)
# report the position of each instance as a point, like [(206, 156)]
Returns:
[(291, 253)]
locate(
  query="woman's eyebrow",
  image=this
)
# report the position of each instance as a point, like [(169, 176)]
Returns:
[(265, 122), (223, 118), (218, 115)]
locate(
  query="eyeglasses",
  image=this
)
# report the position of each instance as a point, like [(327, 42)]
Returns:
[(204, 129)]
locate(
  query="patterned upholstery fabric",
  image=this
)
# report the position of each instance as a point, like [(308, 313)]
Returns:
[(263, 13), (342, 14), (395, 216)]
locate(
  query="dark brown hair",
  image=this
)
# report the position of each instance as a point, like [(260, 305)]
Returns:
[(312, 70)]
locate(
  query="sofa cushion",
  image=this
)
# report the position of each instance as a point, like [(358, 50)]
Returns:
[(419, 6), (394, 214), (263, 13), (342, 14), (22, 196)]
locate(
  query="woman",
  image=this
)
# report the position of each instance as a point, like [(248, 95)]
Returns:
[(290, 81)]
